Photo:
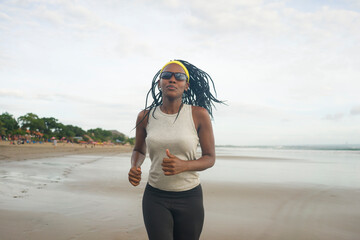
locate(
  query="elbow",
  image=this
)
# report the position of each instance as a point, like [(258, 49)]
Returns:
[(141, 151), (211, 161), (206, 161)]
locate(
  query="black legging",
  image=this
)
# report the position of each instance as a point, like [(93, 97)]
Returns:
[(173, 215)]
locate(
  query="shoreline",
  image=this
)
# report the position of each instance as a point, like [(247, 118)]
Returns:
[(45, 150)]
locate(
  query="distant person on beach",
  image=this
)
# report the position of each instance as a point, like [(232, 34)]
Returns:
[(171, 128)]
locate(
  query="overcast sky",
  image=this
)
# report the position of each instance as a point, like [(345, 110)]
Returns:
[(288, 70)]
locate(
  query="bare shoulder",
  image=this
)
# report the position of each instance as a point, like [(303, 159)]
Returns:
[(200, 116), (143, 113), (199, 112), (142, 118)]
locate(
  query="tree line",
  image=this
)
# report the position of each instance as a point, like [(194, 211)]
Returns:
[(48, 127)]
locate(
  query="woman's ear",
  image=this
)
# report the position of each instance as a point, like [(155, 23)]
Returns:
[(187, 86), (158, 84)]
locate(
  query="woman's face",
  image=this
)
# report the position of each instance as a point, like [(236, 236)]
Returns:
[(171, 87)]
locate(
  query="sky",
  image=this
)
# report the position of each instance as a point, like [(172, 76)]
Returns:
[(288, 70)]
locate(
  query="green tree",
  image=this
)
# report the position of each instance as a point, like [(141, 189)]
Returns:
[(32, 122), (118, 137), (2, 128), (68, 132), (131, 141), (79, 132), (9, 124), (50, 124), (99, 134), (62, 130), (50, 127)]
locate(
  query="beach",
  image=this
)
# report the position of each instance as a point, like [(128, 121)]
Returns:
[(36, 150), (249, 194)]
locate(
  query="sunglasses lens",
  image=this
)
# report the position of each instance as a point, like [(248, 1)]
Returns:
[(180, 76), (166, 75)]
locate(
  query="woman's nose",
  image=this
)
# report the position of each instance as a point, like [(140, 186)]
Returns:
[(172, 79)]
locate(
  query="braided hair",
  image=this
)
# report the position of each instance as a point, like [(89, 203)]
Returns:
[(198, 93)]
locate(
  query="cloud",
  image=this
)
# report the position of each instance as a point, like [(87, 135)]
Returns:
[(334, 117), (4, 16), (81, 101), (243, 16), (324, 23), (4, 59), (51, 16), (69, 16), (355, 110), (4, 93), (72, 21), (262, 18), (253, 111), (66, 15), (355, 3)]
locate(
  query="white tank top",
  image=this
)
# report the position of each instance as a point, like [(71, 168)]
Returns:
[(180, 137)]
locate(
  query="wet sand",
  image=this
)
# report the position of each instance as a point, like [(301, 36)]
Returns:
[(88, 197), (69, 197), (281, 212)]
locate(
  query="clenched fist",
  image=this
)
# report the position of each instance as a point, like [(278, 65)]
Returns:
[(135, 176), (173, 165)]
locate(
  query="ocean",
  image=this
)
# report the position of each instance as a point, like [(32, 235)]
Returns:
[(332, 165)]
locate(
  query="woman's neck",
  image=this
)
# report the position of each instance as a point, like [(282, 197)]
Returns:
[(170, 107)]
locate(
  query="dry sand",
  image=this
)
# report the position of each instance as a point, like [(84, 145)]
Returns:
[(37, 150), (88, 197)]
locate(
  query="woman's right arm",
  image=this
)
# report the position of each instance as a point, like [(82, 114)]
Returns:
[(139, 152)]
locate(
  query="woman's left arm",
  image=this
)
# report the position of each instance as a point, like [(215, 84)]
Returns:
[(173, 165)]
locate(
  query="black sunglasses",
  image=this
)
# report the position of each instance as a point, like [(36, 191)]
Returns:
[(178, 76)]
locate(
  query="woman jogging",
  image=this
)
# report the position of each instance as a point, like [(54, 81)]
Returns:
[(171, 128)]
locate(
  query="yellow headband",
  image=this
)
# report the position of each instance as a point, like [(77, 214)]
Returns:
[(181, 65)]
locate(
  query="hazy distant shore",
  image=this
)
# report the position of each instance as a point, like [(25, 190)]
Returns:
[(44, 150), (253, 158)]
